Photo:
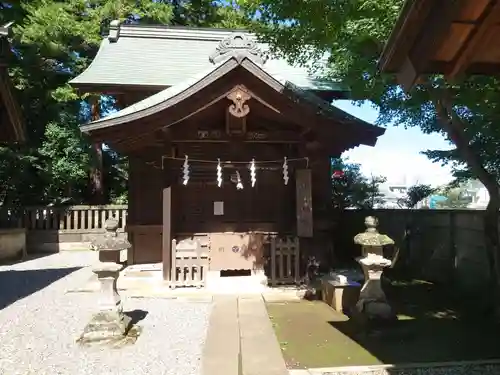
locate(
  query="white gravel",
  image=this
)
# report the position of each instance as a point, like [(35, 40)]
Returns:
[(39, 325)]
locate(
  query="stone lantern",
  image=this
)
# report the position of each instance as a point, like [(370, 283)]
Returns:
[(372, 303), (109, 324)]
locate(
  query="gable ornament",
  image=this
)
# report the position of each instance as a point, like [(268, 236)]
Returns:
[(239, 108), (238, 45)]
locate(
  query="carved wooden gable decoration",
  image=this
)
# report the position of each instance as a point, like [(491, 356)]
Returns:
[(237, 112), (304, 203)]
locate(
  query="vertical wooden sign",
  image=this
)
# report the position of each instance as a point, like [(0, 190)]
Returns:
[(304, 203)]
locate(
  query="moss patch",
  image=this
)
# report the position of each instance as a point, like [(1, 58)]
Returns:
[(312, 335)]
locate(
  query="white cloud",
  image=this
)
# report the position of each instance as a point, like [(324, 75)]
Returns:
[(399, 167), (397, 153)]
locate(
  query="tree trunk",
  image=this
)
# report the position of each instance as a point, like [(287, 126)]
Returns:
[(455, 126), (96, 175)]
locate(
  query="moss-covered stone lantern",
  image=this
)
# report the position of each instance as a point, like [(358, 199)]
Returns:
[(372, 303)]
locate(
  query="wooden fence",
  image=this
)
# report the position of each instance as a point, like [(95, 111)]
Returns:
[(284, 260), (437, 245), (74, 218), (445, 246), (190, 261), (52, 229)]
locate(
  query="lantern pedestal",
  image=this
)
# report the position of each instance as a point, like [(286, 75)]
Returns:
[(109, 323)]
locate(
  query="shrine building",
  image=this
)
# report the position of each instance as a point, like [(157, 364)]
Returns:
[(229, 151)]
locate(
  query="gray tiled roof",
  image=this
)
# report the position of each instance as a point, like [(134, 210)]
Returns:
[(247, 59), (134, 55)]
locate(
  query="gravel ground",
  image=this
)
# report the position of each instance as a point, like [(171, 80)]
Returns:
[(39, 325)]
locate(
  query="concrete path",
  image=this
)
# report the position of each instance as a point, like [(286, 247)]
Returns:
[(241, 340)]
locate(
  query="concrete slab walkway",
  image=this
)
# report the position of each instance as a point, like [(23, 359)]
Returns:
[(241, 340)]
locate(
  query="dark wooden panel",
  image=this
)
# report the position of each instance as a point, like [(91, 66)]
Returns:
[(146, 192), (147, 247), (269, 206)]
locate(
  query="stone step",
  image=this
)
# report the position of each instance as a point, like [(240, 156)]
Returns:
[(153, 270), (260, 350), (221, 353), (236, 284)]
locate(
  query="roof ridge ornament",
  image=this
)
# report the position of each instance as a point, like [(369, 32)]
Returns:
[(114, 31), (238, 45)]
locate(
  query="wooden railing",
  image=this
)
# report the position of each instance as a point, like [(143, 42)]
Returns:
[(285, 260), (189, 264), (73, 218)]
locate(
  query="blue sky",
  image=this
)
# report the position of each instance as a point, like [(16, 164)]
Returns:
[(397, 153)]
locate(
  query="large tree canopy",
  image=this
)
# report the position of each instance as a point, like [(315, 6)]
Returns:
[(53, 41), (351, 35)]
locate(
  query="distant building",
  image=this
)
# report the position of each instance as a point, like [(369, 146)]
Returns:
[(480, 199), (393, 194)]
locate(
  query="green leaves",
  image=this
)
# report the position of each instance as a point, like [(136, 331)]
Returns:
[(415, 195), (352, 189), (354, 33), (54, 41)]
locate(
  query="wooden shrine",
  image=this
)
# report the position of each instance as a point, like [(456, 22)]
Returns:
[(450, 37), (230, 156)]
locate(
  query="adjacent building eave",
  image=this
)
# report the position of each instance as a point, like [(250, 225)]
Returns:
[(396, 46), (448, 37)]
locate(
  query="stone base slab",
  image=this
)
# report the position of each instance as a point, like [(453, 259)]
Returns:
[(109, 328)]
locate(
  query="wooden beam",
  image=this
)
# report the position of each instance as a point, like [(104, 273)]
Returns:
[(473, 43), (184, 134)]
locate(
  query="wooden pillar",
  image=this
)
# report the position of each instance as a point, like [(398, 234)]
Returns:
[(134, 179), (167, 232), (167, 220), (96, 173)]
